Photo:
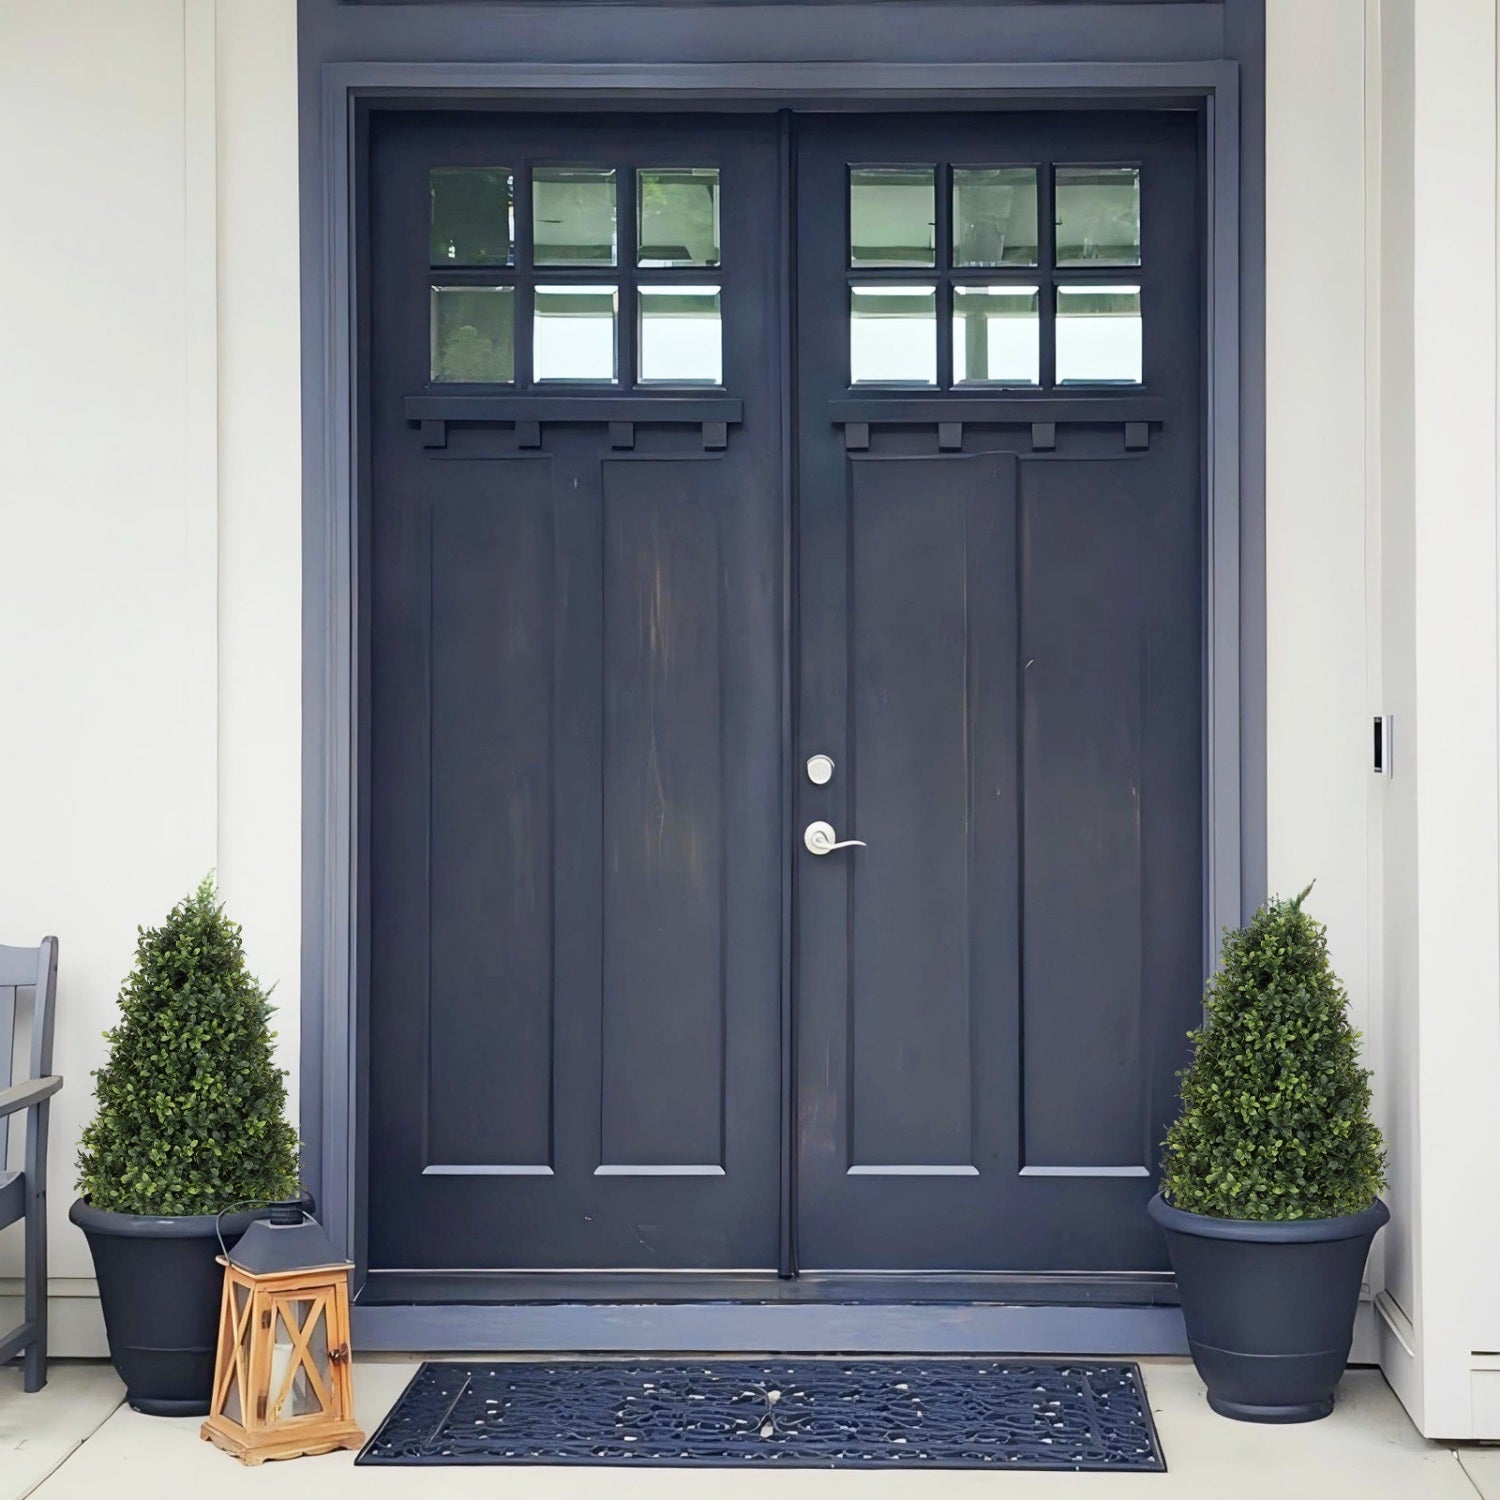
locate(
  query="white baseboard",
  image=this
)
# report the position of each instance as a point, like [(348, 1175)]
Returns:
[(75, 1326)]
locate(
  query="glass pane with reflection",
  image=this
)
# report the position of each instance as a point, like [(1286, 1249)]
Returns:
[(473, 334), (892, 216), (1099, 335), (893, 334), (473, 216), (573, 216), (996, 335), (679, 216), (1098, 216), (994, 216), (573, 332), (681, 340)]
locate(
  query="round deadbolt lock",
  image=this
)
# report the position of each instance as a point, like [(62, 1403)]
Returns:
[(820, 769)]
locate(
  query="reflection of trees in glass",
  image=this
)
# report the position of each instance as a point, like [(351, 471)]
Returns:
[(573, 216), (473, 334), (679, 217), (472, 215), (466, 354), (1098, 216)]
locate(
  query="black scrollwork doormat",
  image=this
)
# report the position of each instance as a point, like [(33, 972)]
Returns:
[(804, 1414)]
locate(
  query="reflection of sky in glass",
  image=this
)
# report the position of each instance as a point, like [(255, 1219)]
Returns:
[(893, 334), (681, 339), (573, 334), (1099, 335)]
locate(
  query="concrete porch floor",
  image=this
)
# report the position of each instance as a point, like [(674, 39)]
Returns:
[(77, 1441)]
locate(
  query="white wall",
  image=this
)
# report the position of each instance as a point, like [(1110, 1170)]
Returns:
[(149, 508), (149, 513), (1381, 563)]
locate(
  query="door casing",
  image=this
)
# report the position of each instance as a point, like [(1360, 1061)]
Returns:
[(333, 878)]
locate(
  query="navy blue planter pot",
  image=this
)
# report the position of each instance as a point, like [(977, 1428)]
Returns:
[(1269, 1307), (159, 1286)]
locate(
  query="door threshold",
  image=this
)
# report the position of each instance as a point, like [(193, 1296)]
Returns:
[(744, 1328), (750, 1289)]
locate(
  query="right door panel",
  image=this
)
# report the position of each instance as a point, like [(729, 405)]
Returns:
[(1001, 626)]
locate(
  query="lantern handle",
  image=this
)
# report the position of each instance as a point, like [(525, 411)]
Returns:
[(259, 1204)]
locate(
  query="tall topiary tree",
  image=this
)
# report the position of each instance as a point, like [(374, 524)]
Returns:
[(1275, 1119), (192, 1107)]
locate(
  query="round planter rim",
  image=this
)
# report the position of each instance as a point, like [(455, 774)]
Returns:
[(1270, 1231), (164, 1226)]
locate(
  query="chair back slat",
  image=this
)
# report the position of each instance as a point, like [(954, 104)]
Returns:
[(34, 971), (9, 996)]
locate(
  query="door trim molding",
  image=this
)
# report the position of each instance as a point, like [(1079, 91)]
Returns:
[(332, 879)]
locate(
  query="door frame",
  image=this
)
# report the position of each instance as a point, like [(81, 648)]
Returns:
[(333, 878)]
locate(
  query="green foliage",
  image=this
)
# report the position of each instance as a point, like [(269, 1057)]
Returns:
[(1275, 1106), (192, 1107)]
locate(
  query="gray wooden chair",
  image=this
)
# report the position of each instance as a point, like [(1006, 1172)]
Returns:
[(23, 1194)]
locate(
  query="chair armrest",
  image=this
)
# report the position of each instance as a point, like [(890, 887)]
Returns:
[(24, 1095)]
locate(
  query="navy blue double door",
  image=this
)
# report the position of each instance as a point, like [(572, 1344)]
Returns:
[(680, 477)]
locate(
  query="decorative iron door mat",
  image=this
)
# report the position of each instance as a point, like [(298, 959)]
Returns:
[(804, 1414)]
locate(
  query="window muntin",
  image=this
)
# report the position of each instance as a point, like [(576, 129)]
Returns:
[(1022, 284), (517, 298)]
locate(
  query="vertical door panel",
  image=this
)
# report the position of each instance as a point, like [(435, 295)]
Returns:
[(926, 541), (664, 795), (489, 895)]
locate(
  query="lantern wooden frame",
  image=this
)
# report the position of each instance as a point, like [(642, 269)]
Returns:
[(245, 1365)]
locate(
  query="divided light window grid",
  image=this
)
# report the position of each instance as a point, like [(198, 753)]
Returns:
[(546, 275), (1021, 276)]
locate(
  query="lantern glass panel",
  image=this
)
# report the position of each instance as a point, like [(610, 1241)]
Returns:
[(289, 1367), (234, 1406)]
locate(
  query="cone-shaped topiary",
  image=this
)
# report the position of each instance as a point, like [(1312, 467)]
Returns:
[(1275, 1119), (192, 1106)]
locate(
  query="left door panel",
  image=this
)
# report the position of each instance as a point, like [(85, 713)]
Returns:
[(572, 830)]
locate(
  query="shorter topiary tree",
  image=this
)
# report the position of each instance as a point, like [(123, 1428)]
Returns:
[(1275, 1120), (192, 1107)]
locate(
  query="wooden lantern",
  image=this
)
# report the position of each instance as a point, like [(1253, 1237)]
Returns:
[(282, 1382)]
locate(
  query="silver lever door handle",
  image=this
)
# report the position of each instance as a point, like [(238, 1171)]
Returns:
[(820, 838)]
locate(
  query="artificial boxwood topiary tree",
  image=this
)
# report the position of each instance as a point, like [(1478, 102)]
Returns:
[(192, 1107), (1275, 1117)]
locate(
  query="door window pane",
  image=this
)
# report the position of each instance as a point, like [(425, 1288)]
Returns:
[(893, 334), (680, 334), (472, 332), (472, 219), (679, 216), (573, 216), (1099, 335), (996, 335), (994, 216), (573, 333), (1098, 216), (892, 218)]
